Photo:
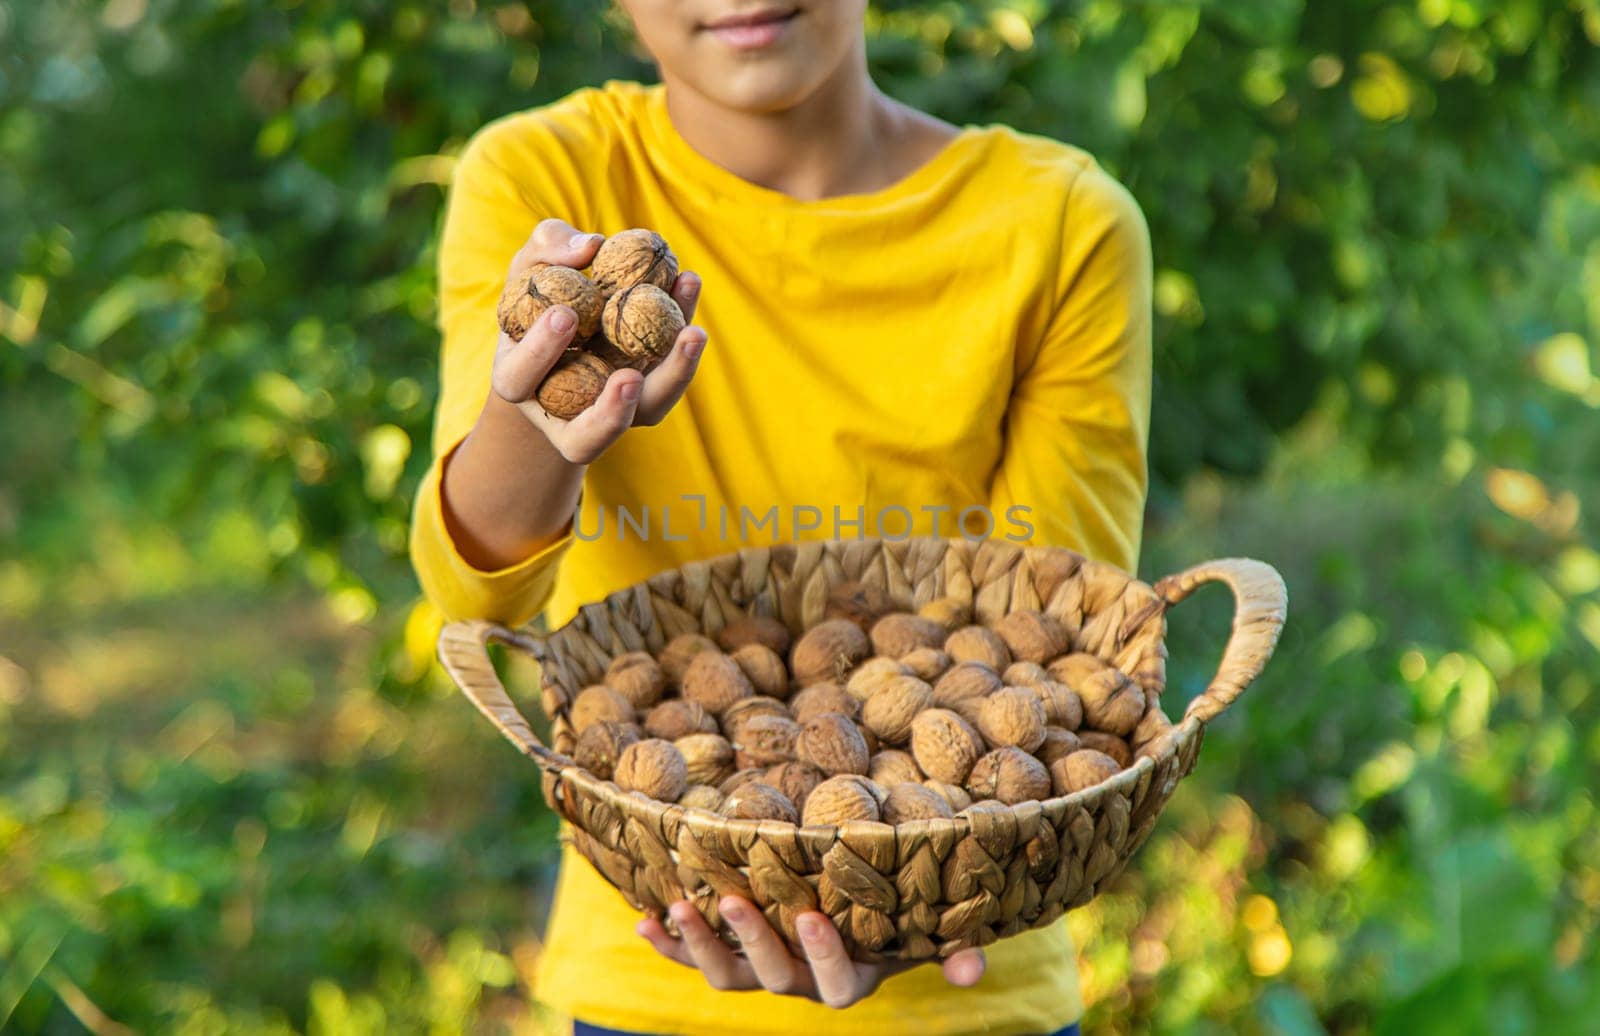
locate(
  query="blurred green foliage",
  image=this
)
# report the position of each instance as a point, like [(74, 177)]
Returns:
[(235, 798)]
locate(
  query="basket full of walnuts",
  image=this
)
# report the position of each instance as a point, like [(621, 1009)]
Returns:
[(936, 742)]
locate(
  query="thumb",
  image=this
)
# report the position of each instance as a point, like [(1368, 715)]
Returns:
[(965, 968)]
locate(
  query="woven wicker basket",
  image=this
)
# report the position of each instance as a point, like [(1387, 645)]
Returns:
[(921, 889)]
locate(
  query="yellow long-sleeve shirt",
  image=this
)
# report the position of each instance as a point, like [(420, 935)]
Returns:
[(976, 335)]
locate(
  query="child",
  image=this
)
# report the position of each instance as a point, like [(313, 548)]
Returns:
[(907, 320)]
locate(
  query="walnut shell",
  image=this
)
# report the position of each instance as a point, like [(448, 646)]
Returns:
[(927, 663), (573, 384), (978, 644), (872, 676), (861, 603), (892, 766), (643, 322), (898, 634), (754, 629), (1110, 744), (529, 294), (1082, 769), (833, 744), (914, 802), (701, 796), (1010, 775), (944, 745), (950, 612), (675, 718), (740, 778), (795, 779), (746, 709), (637, 677), (1152, 725), (679, 652), (715, 681), (824, 697), (1033, 636), (598, 703), (1058, 742), (827, 651), (841, 798), (764, 669), (954, 794), (1012, 716), (758, 801), (964, 683), (1062, 707), (630, 257), (708, 757), (600, 745), (1024, 674), (766, 741), (654, 768), (1119, 713), (889, 712)]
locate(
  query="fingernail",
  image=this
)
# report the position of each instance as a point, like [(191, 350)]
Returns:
[(810, 928), (692, 348), (630, 392), (638, 930), (580, 240), (561, 320), (735, 912)]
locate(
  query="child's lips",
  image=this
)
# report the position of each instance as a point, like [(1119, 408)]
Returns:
[(753, 32)]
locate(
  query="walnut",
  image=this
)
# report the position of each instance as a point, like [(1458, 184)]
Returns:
[(841, 798), (643, 322), (1119, 714), (572, 385), (944, 745), (889, 712), (978, 644), (763, 668), (892, 766), (1058, 742), (795, 779), (914, 802), (965, 686), (701, 796), (715, 681), (898, 634), (1012, 716), (709, 757), (1152, 725), (832, 744), (1111, 701), (766, 741), (1033, 636), (872, 676), (637, 677), (600, 744), (740, 778), (675, 718), (1110, 744), (954, 794), (758, 801), (654, 768), (827, 651), (949, 612), (598, 703), (746, 709), (861, 603), (1062, 707), (1082, 769), (679, 652), (1010, 775), (754, 629), (1024, 674), (927, 663), (529, 294), (824, 697), (632, 257)]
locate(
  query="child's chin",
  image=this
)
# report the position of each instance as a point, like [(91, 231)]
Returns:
[(765, 86)]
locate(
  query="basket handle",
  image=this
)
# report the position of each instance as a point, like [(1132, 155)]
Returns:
[(1261, 604), (464, 652)]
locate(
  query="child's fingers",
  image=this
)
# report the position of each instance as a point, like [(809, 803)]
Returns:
[(686, 293), (656, 934), (557, 242), (838, 982), (666, 384), (965, 968), (769, 957), (520, 366), (586, 436), (716, 962)]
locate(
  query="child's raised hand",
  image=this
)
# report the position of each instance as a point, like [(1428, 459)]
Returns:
[(827, 974), (629, 398)]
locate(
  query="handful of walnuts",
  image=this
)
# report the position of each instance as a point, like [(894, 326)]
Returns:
[(627, 316), (872, 714)]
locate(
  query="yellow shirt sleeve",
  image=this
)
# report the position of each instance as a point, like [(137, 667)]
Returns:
[(1079, 417), (490, 214)]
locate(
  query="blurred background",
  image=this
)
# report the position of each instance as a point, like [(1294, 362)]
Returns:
[(237, 797)]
